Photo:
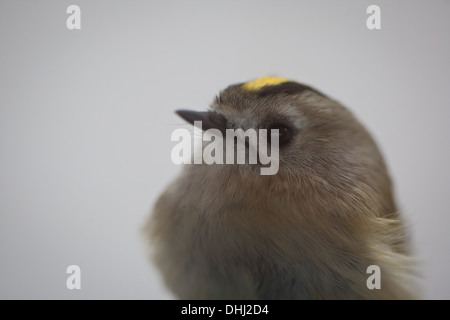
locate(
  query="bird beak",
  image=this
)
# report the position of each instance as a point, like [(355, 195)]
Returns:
[(209, 119)]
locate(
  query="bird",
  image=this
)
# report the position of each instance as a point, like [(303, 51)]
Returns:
[(309, 231)]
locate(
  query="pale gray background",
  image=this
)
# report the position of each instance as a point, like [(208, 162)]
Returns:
[(86, 117)]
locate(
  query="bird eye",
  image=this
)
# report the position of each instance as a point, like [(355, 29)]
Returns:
[(285, 133)]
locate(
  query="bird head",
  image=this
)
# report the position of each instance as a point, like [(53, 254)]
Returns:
[(312, 129), (321, 144)]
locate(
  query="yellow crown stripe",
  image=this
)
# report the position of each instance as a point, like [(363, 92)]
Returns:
[(263, 82)]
